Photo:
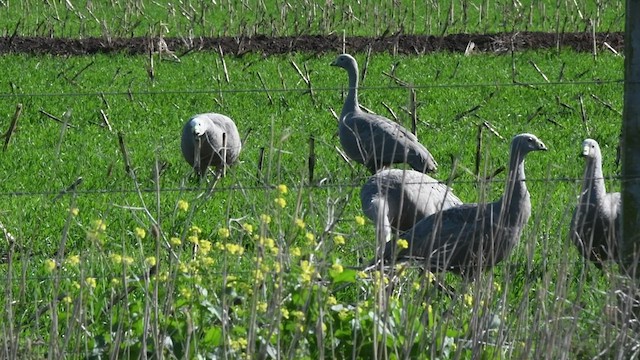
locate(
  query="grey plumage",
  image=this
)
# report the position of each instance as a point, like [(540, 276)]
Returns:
[(472, 237), (396, 199), (374, 140), (217, 139), (595, 225)]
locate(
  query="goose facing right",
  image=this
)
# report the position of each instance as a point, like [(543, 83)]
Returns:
[(469, 238), (373, 140)]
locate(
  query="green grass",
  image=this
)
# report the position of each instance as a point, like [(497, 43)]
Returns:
[(216, 301), (221, 18)]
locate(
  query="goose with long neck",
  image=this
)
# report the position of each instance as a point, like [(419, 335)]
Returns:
[(469, 238), (373, 140), (595, 225)]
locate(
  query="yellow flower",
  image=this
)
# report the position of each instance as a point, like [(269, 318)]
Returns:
[(234, 249), (284, 312), (300, 223), (224, 233), (238, 344), (281, 202), (258, 275), (362, 275), (67, 300), (185, 292), (175, 241), (99, 225), (311, 238), (343, 314), (91, 282), (193, 239), (337, 268), (430, 276), (359, 220), (73, 260), (338, 240), (128, 260), (205, 247), (276, 268), (75, 285), (331, 300), (195, 230), (307, 271), (74, 211), (468, 300), (497, 287), (207, 261), (402, 244), (151, 260), (298, 314), (50, 265), (265, 218), (116, 258), (140, 233), (183, 205), (262, 307), (295, 251), (248, 228), (282, 189)]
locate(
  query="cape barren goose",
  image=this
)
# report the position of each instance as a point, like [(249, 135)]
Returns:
[(374, 140), (472, 237), (210, 140), (595, 225), (395, 199)]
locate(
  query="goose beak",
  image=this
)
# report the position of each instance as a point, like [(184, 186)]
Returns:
[(542, 146), (585, 150)]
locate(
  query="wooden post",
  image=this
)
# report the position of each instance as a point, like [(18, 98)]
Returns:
[(630, 246)]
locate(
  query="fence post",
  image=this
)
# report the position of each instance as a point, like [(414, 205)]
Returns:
[(631, 141)]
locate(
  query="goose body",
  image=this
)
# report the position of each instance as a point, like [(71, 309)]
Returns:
[(595, 225), (210, 140), (469, 238), (374, 140)]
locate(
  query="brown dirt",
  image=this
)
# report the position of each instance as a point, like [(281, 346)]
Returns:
[(403, 44)]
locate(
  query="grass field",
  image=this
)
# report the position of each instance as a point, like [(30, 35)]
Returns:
[(253, 276), (229, 18), (140, 260)]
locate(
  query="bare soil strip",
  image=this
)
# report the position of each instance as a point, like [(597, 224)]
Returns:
[(265, 45)]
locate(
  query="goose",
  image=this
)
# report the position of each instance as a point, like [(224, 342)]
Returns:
[(373, 140), (595, 224), (210, 140), (395, 199), (471, 237)]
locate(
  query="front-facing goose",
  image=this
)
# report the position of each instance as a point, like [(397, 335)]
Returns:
[(595, 225), (472, 237), (210, 140), (374, 140)]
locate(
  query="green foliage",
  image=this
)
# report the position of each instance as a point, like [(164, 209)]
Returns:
[(191, 19), (264, 261)]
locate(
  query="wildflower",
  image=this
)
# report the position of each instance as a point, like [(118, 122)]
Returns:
[(281, 202), (91, 282), (238, 344), (338, 240), (307, 271), (234, 249), (300, 223), (282, 189), (284, 312), (430, 276), (248, 228), (295, 251), (258, 275), (74, 211), (73, 260), (151, 261), (331, 300), (276, 268), (343, 314), (337, 268), (140, 233), (195, 230), (175, 241), (99, 225), (67, 300), (116, 259), (265, 218), (224, 233), (262, 307), (497, 287), (193, 239), (298, 314), (311, 238), (468, 299), (127, 260), (205, 247), (50, 265), (183, 205), (183, 268), (402, 244), (207, 261), (362, 275), (185, 293), (359, 220), (75, 285)]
